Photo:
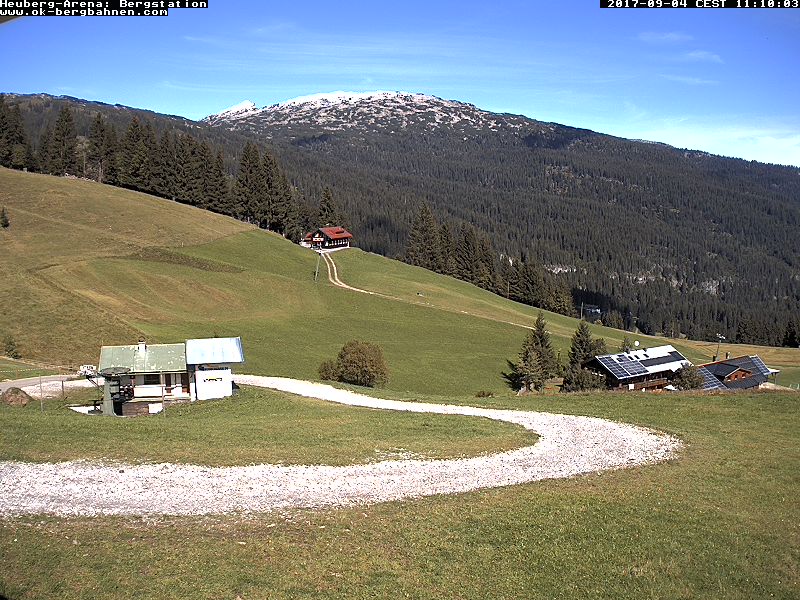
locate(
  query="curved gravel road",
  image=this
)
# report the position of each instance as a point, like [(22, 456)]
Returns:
[(568, 445)]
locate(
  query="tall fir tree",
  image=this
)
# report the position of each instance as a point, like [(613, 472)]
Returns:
[(62, 148), (447, 246), (43, 163), (423, 248), (99, 154), (278, 196), (466, 255), (528, 368), (14, 145), (218, 191), (626, 345), (136, 160), (164, 166), (328, 210), (584, 347), (544, 347), (248, 189)]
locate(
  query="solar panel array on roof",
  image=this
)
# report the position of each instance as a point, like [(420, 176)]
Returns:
[(709, 381), (615, 369), (623, 367), (662, 360), (635, 368), (762, 368)]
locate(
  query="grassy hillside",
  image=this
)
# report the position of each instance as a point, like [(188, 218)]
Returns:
[(86, 264)]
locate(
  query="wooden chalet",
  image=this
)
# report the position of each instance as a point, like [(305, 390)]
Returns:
[(327, 238), (640, 369)]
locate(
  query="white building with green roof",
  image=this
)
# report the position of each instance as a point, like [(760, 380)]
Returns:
[(140, 378)]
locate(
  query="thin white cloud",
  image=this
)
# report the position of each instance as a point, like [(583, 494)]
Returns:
[(689, 80), (701, 56), (664, 37)]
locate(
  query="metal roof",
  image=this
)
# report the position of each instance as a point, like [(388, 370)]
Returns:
[(214, 351), (335, 233), (156, 358), (626, 365), (710, 382)]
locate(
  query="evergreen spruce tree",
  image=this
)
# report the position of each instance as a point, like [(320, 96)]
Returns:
[(14, 145), (20, 145), (791, 335), (182, 170), (485, 267), (5, 134), (43, 162), (63, 150), (4, 220), (582, 348), (112, 158), (202, 174), (133, 157), (219, 192), (164, 166), (466, 255), (447, 246), (423, 248), (626, 345), (544, 347), (529, 368), (279, 198), (95, 151), (149, 149), (248, 189), (328, 211)]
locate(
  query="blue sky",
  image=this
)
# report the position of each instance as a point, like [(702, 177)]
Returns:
[(720, 80)]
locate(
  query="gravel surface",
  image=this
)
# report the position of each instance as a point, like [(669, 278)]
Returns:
[(567, 446)]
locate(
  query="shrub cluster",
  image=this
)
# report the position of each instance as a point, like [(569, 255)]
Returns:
[(358, 363)]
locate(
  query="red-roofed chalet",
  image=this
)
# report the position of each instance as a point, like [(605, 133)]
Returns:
[(328, 237)]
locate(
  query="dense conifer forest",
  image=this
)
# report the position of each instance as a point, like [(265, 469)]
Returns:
[(663, 240)]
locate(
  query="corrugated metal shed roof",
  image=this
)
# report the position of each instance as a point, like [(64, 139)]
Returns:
[(213, 351), (156, 358)]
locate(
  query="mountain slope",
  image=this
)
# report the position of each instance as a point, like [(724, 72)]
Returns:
[(667, 234), (88, 264), (671, 240)]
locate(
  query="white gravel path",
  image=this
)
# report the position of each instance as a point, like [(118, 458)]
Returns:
[(568, 445)]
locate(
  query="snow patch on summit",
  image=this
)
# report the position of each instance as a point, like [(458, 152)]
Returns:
[(329, 98), (237, 110)]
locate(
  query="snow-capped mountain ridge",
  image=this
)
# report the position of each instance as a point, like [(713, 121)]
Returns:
[(388, 112)]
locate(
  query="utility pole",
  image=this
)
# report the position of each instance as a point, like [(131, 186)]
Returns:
[(316, 273), (720, 337)]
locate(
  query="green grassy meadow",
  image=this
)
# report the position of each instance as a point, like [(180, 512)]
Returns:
[(255, 426), (719, 522), (17, 369), (84, 265)]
